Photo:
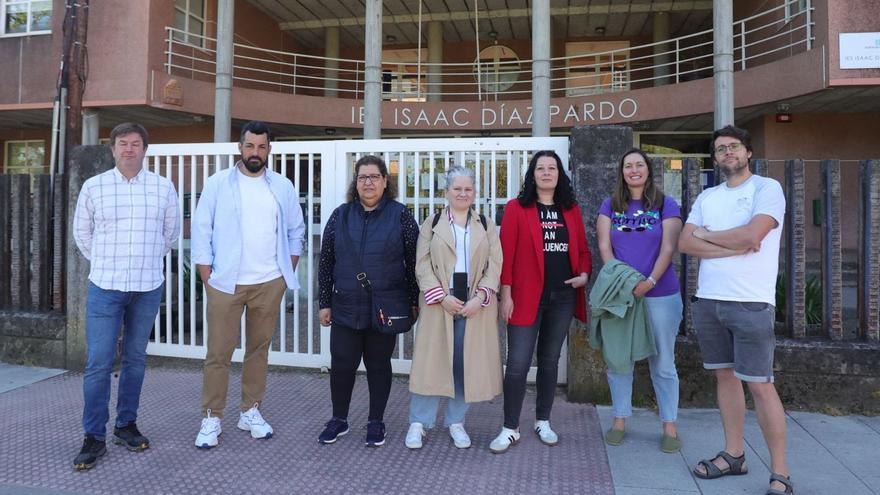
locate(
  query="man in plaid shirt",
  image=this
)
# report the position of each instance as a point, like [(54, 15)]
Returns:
[(126, 221)]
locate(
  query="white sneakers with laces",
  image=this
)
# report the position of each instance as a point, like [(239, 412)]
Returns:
[(252, 421), (545, 433), (459, 436), (504, 440), (210, 430), (415, 435)]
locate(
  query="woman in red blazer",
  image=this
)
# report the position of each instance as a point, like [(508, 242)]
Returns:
[(546, 265)]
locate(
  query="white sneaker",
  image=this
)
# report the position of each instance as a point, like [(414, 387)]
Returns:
[(545, 433), (253, 421), (210, 430), (459, 436), (415, 435), (504, 440)]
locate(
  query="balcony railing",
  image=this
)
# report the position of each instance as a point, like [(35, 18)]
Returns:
[(771, 35)]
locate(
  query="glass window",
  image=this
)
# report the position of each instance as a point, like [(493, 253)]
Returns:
[(189, 20), (22, 17), (497, 69), (26, 157), (792, 9)]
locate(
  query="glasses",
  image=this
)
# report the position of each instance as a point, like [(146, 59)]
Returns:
[(363, 179), (723, 149)]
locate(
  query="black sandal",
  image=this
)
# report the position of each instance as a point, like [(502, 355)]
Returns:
[(734, 467), (785, 480)]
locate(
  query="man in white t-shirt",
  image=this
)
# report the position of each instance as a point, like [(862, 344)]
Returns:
[(247, 236), (735, 229)]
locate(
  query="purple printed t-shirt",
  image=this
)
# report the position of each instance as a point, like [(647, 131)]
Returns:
[(636, 237)]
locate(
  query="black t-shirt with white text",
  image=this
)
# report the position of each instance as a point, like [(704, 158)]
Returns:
[(557, 267)]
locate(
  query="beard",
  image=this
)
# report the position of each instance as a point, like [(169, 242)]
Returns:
[(254, 164), (733, 168)]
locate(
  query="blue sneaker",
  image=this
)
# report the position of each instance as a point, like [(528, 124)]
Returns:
[(375, 434), (333, 429)]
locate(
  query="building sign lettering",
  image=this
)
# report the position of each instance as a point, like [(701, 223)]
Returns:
[(505, 115), (860, 50)]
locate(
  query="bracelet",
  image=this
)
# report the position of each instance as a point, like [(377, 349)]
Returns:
[(653, 282)]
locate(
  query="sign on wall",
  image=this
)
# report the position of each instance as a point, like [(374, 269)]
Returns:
[(860, 50)]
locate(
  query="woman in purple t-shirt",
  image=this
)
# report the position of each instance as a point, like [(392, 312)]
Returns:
[(639, 225)]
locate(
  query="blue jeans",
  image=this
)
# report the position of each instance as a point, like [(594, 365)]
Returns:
[(555, 311), (665, 313), (423, 408), (106, 312)]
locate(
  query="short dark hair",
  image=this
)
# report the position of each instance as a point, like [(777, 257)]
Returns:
[(255, 127), (734, 132), (390, 189), (564, 193), (128, 128)]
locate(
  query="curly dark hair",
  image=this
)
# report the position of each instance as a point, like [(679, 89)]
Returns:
[(390, 190), (563, 195), (652, 197), (734, 132)]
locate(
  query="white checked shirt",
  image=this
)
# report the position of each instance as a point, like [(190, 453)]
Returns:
[(125, 227)]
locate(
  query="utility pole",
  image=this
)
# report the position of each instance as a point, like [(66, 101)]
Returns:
[(77, 65)]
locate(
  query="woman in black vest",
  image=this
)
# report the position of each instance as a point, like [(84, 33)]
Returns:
[(368, 252)]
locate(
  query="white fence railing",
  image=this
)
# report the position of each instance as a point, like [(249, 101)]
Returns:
[(321, 172), (775, 33)]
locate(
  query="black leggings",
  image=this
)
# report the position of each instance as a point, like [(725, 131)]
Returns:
[(347, 346)]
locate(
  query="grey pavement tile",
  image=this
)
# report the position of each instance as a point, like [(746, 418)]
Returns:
[(639, 463), (631, 490), (873, 483), (814, 470), (872, 421), (849, 440), (46, 417), (14, 376)]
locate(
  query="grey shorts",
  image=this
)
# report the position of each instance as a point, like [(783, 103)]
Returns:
[(738, 335)]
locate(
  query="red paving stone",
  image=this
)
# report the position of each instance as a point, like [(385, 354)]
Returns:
[(40, 435)]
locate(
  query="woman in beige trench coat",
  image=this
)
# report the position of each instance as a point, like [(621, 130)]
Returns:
[(457, 353)]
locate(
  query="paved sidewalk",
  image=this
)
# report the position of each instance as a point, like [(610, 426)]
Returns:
[(827, 455), (45, 417)]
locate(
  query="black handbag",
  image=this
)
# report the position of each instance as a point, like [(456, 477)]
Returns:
[(392, 312)]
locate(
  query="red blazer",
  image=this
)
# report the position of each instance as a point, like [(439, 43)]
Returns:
[(523, 269)]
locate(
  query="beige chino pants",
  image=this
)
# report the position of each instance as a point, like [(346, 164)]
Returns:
[(224, 327)]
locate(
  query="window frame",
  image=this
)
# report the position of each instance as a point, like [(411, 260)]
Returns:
[(794, 9), (31, 170), (28, 32), (188, 14)]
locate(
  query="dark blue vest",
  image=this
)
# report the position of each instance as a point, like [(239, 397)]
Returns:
[(376, 236)]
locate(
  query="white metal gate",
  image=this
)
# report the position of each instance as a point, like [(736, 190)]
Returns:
[(321, 172)]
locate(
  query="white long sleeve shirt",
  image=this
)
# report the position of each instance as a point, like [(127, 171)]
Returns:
[(124, 227)]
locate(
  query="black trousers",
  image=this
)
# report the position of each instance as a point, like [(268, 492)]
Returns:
[(347, 347)]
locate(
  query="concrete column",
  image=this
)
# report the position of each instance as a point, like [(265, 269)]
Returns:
[(541, 68), (373, 70), (223, 79), (722, 23), (5, 240), (85, 162), (661, 33), (331, 50), (91, 126), (594, 152), (690, 265), (19, 239), (435, 56)]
